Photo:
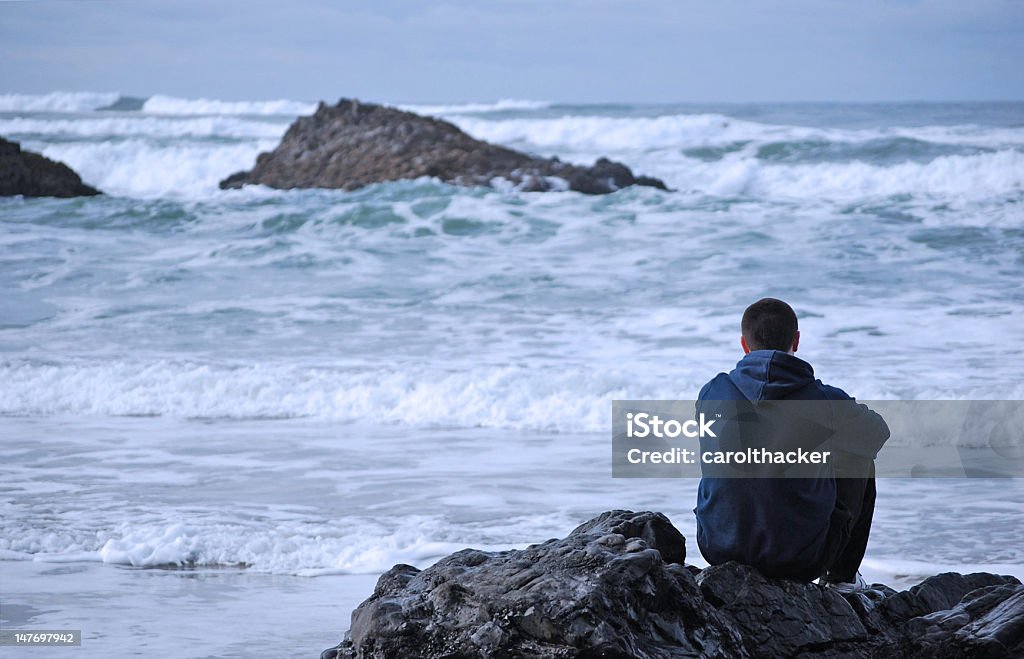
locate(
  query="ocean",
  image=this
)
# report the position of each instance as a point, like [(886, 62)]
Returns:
[(224, 413)]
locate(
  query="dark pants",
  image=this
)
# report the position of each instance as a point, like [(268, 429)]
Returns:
[(849, 527)]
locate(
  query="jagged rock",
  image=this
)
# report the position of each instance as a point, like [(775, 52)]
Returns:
[(32, 175), (652, 528), (936, 593), (353, 144), (780, 618), (987, 622), (616, 587), (604, 591)]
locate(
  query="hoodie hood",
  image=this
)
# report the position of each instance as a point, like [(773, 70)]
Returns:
[(771, 375)]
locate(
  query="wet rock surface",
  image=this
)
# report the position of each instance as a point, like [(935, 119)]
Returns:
[(33, 175), (353, 144), (616, 587)]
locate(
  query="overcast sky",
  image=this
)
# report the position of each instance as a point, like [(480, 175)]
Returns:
[(582, 50)]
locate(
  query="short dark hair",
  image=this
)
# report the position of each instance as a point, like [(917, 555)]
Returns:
[(769, 324)]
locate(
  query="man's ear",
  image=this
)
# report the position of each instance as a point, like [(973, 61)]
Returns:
[(743, 344), (796, 340)]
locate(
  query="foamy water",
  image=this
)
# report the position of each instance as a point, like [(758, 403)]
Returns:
[(256, 387)]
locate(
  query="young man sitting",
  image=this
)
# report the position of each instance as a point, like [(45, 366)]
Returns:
[(790, 527)]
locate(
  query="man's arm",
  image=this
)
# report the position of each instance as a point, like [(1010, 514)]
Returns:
[(860, 431)]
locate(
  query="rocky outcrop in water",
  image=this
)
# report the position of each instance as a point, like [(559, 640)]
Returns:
[(616, 588), (353, 144), (32, 175)]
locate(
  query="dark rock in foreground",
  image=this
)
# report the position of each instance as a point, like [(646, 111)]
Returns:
[(353, 144), (616, 588), (32, 175)]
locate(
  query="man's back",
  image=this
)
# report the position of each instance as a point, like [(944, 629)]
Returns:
[(779, 525)]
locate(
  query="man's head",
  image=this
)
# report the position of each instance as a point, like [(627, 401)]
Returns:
[(769, 324)]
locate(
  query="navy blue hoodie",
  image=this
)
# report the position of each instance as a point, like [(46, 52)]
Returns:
[(778, 525)]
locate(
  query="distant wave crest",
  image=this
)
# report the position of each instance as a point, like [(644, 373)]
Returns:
[(160, 104), (57, 101), (965, 177), (100, 127), (706, 129), (503, 105)]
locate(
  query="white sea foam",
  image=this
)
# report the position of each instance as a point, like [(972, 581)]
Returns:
[(970, 134), (319, 543), (588, 133), (155, 127), (477, 108), (570, 400), (621, 133), (361, 546), (495, 397), (160, 104), (960, 177), (655, 146), (903, 572), (301, 547), (56, 102), (139, 168)]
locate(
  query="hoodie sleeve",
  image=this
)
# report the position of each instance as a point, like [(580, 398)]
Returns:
[(860, 431)]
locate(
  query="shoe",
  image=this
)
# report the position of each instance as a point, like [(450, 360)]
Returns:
[(846, 587)]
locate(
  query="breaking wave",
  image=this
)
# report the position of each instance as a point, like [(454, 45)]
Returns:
[(160, 104), (57, 102)]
